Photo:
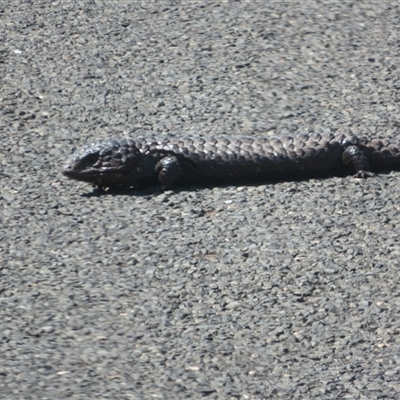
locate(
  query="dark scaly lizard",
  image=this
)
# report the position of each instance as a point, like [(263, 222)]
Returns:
[(228, 159)]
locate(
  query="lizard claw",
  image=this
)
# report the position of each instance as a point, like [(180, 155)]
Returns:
[(364, 174)]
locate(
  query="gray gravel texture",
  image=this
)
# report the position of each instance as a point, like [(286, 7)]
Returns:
[(287, 290)]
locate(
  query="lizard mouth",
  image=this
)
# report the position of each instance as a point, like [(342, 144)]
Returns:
[(71, 173), (108, 178), (93, 175)]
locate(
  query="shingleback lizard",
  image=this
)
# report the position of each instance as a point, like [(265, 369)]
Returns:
[(228, 159)]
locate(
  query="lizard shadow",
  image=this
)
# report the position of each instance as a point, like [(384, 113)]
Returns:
[(155, 189)]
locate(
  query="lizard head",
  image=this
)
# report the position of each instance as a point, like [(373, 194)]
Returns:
[(111, 163)]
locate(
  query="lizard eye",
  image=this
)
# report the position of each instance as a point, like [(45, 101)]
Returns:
[(91, 159)]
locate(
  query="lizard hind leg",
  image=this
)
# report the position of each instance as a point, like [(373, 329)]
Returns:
[(354, 156), (169, 171)]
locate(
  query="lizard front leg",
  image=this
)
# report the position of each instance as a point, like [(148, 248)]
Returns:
[(354, 156), (169, 171)]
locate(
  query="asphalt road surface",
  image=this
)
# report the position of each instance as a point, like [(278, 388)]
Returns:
[(288, 290)]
